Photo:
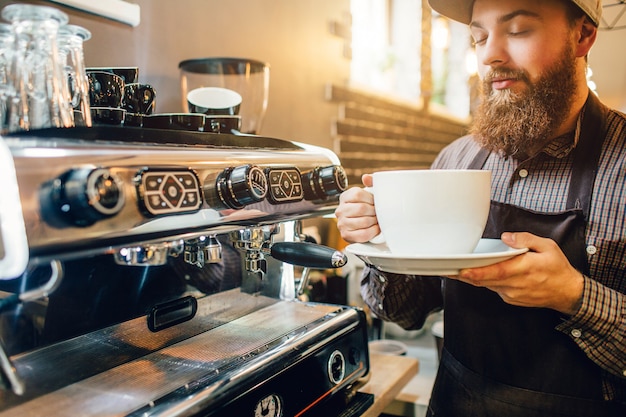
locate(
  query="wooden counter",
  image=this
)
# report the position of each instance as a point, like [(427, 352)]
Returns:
[(389, 374)]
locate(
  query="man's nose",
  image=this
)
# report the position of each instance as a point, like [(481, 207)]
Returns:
[(492, 52)]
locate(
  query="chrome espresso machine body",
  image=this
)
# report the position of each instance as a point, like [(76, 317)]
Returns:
[(150, 272)]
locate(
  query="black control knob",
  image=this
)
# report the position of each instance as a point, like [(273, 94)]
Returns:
[(81, 197), (324, 182), (239, 186)]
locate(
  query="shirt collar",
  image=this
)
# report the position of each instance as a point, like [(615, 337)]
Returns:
[(561, 146)]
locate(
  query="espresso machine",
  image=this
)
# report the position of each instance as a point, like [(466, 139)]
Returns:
[(148, 272)]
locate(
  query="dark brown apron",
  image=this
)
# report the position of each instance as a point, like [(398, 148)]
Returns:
[(503, 360)]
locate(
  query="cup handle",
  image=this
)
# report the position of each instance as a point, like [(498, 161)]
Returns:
[(148, 94), (379, 238)]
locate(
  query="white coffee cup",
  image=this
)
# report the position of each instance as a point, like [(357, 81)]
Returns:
[(431, 212)]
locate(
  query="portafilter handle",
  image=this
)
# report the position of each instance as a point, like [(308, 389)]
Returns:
[(308, 255)]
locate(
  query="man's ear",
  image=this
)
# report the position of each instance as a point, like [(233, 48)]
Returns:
[(587, 33)]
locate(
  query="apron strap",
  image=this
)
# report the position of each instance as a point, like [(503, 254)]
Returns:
[(587, 154), (479, 160)]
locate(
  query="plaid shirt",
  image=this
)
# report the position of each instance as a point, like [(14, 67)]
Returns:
[(542, 184)]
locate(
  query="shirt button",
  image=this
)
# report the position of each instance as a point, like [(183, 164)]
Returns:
[(381, 279), (380, 306), (523, 173), (591, 250), (576, 333)]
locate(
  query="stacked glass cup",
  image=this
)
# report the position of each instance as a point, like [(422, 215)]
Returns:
[(70, 40), (41, 68)]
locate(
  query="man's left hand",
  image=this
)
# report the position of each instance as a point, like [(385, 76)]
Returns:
[(541, 277)]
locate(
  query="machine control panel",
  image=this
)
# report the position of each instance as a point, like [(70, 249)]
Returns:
[(122, 186), (164, 192), (86, 195), (236, 187), (324, 182), (81, 197), (285, 185)]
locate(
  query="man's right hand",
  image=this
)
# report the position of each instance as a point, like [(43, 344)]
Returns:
[(356, 216)]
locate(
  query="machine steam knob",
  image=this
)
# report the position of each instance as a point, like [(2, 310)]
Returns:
[(83, 196), (242, 185), (324, 182)]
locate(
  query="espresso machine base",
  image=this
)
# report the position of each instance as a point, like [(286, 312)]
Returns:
[(291, 356)]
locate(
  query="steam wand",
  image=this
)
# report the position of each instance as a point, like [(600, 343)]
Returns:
[(8, 374), (304, 281)]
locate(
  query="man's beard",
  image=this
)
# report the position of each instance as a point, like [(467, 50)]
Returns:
[(519, 124)]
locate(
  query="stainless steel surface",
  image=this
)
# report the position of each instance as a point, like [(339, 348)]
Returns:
[(216, 355), (39, 161), (55, 366)]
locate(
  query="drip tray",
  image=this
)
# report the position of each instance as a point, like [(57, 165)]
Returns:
[(206, 370)]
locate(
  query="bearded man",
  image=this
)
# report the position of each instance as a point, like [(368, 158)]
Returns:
[(543, 333)]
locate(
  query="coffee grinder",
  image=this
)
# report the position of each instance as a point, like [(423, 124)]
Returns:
[(249, 78)]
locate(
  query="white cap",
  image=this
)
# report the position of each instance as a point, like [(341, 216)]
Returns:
[(461, 10)]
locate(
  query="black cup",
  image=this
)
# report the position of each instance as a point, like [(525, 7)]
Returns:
[(222, 124), (105, 89), (139, 98), (133, 119), (175, 121), (107, 116), (128, 74)]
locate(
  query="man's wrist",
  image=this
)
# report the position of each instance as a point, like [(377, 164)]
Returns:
[(576, 297)]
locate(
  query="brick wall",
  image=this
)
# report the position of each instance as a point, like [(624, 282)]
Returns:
[(373, 133)]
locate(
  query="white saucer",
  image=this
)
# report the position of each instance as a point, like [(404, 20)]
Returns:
[(487, 252)]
